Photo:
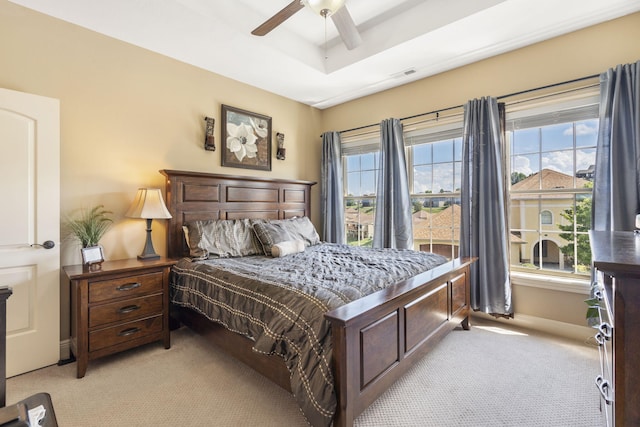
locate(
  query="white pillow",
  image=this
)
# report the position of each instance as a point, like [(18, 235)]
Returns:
[(287, 247)]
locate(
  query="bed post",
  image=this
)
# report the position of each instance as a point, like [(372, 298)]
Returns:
[(344, 416)]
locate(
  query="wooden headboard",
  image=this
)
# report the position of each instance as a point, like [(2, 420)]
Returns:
[(193, 196)]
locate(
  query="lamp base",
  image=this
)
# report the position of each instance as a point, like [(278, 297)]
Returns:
[(146, 257), (148, 252)]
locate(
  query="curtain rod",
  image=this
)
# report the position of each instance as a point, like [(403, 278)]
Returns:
[(460, 106)]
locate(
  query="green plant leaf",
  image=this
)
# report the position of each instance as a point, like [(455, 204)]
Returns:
[(90, 226)]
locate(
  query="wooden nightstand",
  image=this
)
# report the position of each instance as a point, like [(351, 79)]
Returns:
[(120, 306)]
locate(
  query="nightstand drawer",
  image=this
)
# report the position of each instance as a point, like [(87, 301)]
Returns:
[(124, 332), (125, 287), (121, 311)]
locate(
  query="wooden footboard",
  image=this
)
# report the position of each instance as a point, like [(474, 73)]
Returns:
[(378, 338)]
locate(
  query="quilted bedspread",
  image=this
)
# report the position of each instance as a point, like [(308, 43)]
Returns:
[(280, 303)]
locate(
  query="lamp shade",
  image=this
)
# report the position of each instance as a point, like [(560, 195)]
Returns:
[(148, 204), (320, 6)]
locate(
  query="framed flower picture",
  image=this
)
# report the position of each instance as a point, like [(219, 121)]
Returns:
[(246, 139)]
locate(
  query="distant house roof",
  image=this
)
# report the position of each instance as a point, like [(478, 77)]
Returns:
[(547, 179), (437, 226), (586, 172), (353, 215)]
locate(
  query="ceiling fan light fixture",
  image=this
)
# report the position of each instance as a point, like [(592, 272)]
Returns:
[(324, 7)]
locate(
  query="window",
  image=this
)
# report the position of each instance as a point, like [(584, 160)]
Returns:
[(361, 174), (546, 218), (552, 156), (434, 159)]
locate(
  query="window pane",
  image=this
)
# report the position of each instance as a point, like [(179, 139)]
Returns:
[(549, 231), (422, 154), (525, 141), (436, 224), (585, 163), (422, 179), (360, 180), (523, 166), (559, 171), (442, 151), (443, 177), (359, 214), (587, 133), (353, 163), (369, 161), (557, 137), (353, 184), (457, 154)]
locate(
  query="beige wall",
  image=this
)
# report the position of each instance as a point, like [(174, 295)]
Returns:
[(127, 112)]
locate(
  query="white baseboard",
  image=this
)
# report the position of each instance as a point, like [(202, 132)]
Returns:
[(553, 327)]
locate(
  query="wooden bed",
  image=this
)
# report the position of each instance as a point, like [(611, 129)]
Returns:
[(376, 339)]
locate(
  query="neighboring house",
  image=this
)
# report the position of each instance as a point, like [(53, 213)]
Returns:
[(586, 173), (527, 210), (359, 223), (434, 232)]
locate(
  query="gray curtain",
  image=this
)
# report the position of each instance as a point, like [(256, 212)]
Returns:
[(617, 177), (332, 204), (392, 226), (484, 232)]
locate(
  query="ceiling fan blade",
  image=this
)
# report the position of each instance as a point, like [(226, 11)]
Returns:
[(278, 18), (347, 28)]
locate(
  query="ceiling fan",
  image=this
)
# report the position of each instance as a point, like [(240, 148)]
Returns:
[(335, 9)]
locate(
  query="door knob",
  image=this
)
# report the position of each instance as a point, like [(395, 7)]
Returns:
[(48, 244)]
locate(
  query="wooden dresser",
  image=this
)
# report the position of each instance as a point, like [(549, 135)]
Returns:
[(122, 305), (616, 259)]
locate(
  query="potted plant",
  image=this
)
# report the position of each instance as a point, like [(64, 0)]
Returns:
[(90, 226)]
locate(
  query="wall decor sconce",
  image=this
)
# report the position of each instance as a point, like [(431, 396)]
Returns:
[(148, 205), (209, 140), (281, 152)]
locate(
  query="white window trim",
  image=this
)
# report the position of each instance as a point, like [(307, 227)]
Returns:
[(555, 283)]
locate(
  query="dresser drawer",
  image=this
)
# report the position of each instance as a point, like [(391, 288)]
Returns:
[(125, 287), (126, 310), (124, 332)]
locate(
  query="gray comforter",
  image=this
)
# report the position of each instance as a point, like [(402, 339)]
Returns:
[(280, 303)]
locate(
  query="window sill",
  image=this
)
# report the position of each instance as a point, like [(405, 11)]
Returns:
[(555, 283)]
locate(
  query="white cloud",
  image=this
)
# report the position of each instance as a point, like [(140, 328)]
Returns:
[(585, 129), (521, 164)]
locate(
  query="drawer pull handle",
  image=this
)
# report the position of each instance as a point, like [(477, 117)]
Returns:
[(603, 386), (129, 331), (128, 286), (600, 339), (606, 330), (128, 309)]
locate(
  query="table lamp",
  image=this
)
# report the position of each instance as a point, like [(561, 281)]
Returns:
[(148, 205)]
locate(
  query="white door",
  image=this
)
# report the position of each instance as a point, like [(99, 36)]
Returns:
[(30, 215)]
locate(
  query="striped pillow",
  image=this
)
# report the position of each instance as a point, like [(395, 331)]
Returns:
[(222, 239)]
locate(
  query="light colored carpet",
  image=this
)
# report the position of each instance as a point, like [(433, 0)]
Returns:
[(488, 376)]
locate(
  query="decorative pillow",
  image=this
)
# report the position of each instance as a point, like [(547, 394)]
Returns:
[(222, 239), (276, 231), (287, 248), (302, 228), (271, 233)]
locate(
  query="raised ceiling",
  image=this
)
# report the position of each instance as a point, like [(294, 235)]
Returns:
[(402, 40)]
